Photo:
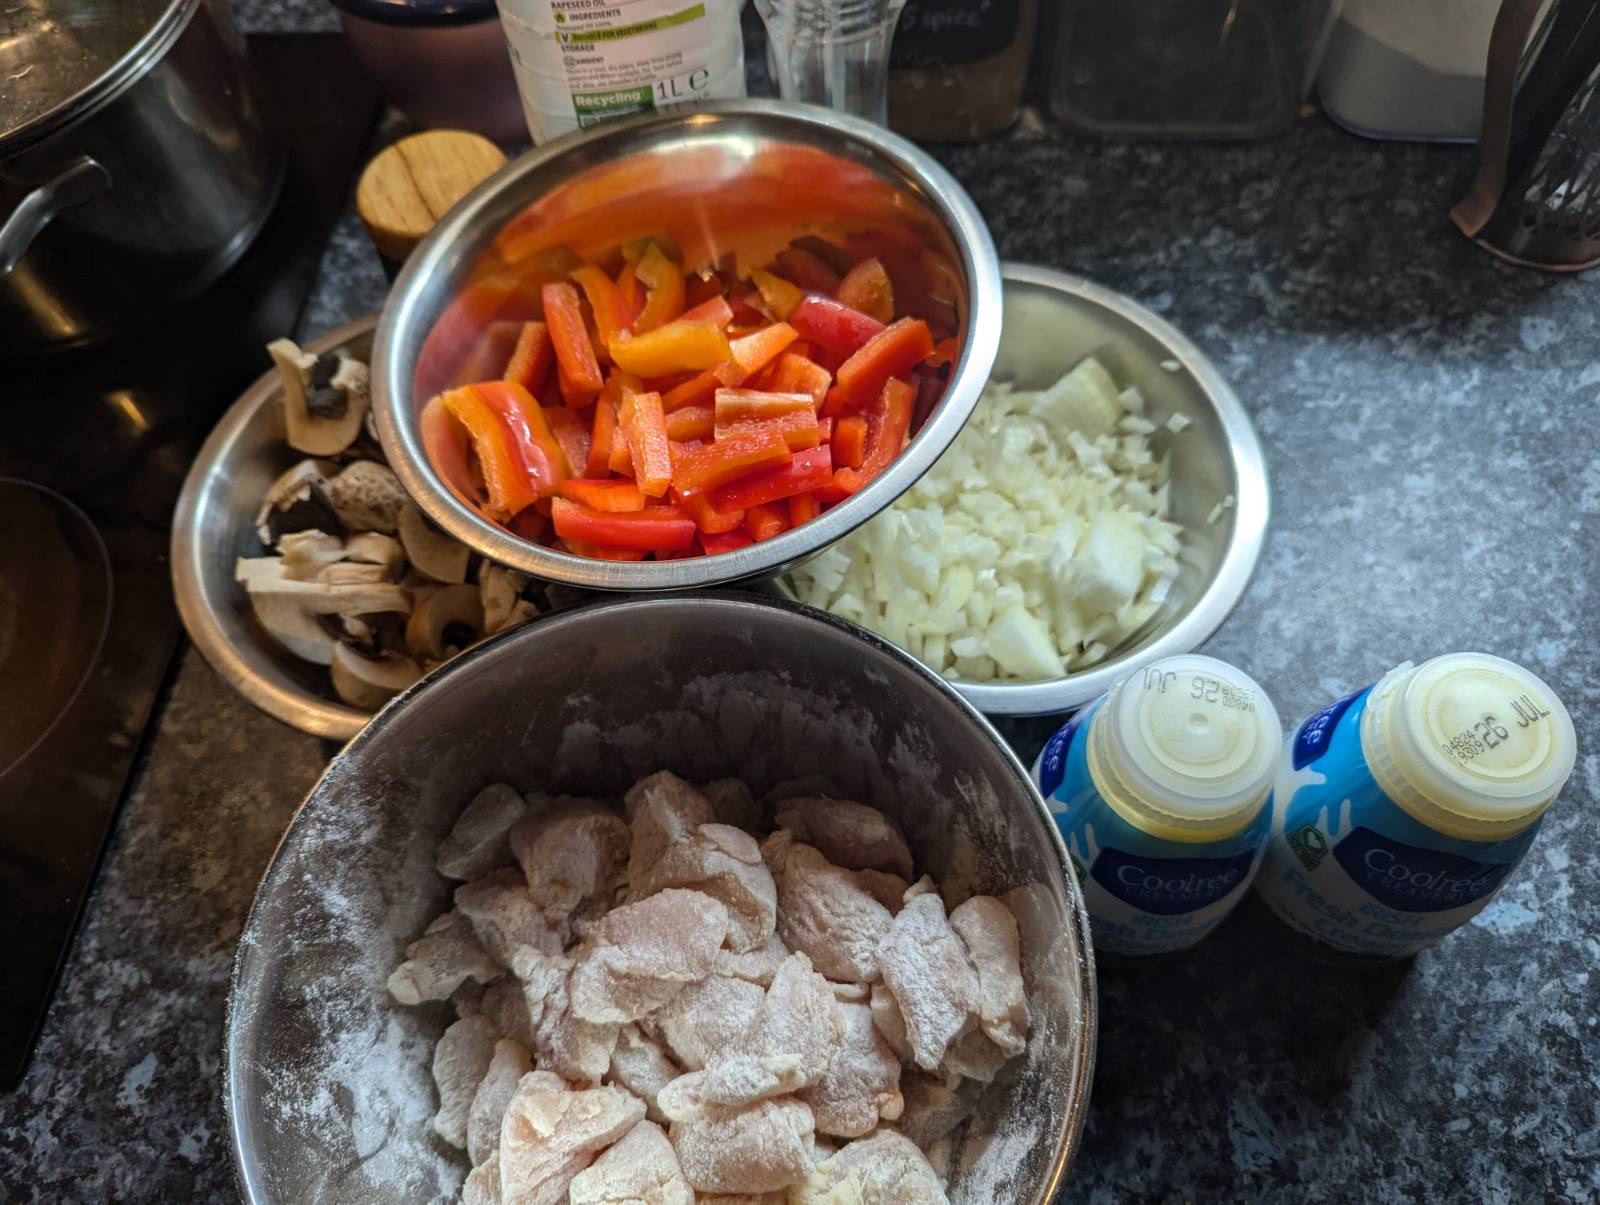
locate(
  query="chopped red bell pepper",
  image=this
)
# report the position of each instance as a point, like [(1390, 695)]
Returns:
[(806, 270), (446, 442), (753, 352), (806, 471), (606, 493), (897, 349), (803, 508), (530, 361), (866, 287), (850, 441), (835, 404), (729, 459), (510, 483), (611, 317), (754, 405), (530, 523), (664, 302), (644, 426), (574, 352), (600, 438), (691, 422), (706, 516), (780, 296), (697, 389), (726, 541), (651, 529), (572, 436), (825, 429), (675, 347), (631, 292), (797, 374), (888, 424), (540, 449), (799, 428), (716, 311), (763, 522), (824, 321)]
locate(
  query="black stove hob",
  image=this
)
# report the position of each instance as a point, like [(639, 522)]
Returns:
[(94, 446)]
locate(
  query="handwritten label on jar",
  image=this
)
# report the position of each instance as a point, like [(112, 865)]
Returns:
[(949, 33)]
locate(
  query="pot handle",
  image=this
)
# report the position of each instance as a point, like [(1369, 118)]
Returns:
[(80, 180)]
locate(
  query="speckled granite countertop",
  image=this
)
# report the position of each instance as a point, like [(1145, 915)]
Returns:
[(1429, 418)]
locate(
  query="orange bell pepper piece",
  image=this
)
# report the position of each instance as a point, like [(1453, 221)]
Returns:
[(755, 405), (696, 390), (897, 349), (798, 428), (888, 425), (729, 459), (850, 441), (631, 292), (541, 450), (507, 480), (806, 471), (780, 296), (716, 311), (753, 352), (574, 352), (806, 270), (675, 347), (448, 448), (643, 425), (531, 358), (571, 435), (600, 438), (664, 301), (867, 288), (655, 528), (796, 374), (803, 508), (691, 422), (765, 521), (604, 493), (706, 516), (611, 317)]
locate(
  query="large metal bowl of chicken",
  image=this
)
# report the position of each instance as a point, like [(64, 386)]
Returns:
[(328, 1087)]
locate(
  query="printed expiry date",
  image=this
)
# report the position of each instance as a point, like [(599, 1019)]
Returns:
[(1203, 688), (1489, 732)]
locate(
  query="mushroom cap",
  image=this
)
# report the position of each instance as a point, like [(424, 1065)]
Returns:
[(435, 615), (370, 682), (432, 553)]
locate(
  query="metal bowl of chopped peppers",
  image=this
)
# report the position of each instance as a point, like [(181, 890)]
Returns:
[(686, 351)]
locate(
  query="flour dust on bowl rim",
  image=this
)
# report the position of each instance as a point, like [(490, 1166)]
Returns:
[(625, 168), (328, 1088)]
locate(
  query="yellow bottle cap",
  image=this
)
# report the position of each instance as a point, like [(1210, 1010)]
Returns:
[(1186, 748), (1468, 743)]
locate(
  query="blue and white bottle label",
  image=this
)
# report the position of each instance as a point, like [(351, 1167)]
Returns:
[(1349, 867), (1145, 894)]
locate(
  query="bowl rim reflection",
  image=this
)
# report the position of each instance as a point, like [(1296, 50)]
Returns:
[(239, 1019), (454, 244)]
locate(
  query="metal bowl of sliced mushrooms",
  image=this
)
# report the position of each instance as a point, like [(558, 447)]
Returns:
[(303, 571)]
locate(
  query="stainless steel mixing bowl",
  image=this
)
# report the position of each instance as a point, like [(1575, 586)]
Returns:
[(719, 144), (328, 1087), (1052, 321)]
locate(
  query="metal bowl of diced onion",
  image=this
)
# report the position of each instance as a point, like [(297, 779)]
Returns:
[(1213, 489)]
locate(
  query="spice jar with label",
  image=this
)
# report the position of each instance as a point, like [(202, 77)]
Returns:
[(957, 68)]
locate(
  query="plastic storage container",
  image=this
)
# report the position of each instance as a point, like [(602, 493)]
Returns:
[(1185, 68), (1401, 809), (957, 68)]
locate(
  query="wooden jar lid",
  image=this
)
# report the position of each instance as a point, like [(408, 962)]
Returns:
[(410, 185)]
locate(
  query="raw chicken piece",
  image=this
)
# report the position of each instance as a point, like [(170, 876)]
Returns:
[(662, 810), (482, 1186), (709, 1019), (572, 857), (862, 1083), (888, 889), (975, 1056), (925, 965), (510, 1063), (824, 913), (848, 834), (506, 1005), (885, 1169), (736, 1081), (775, 850), (923, 886), (441, 960), (760, 1148), (552, 1132), (851, 993), (724, 863), (504, 916), (481, 839), (989, 932), (798, 1016), (809, 786), (758, 966), (642, 955), (468, 999), (733, 804), (460, 1061), (642, 1169), (935, 1106), (640, 1064), (743, 1198), (579, 1050), (887, 1020)]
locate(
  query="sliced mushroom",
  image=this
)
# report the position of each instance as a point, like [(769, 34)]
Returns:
[(289, 610), (520, 614), (305, 554), (375, 548), (297, 501), (370, 682), (431, 553), (367, 496), (249, 568), (444, 623), (300, 631), (353, 573), (499, 590), (325, 399)]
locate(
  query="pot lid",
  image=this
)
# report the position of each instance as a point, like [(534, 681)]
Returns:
[(59, 59)]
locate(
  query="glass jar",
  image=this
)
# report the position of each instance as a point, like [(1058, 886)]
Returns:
[(957, 68), (1185, 68)]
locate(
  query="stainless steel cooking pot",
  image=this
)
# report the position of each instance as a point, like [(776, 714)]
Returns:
[(134, 166)]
